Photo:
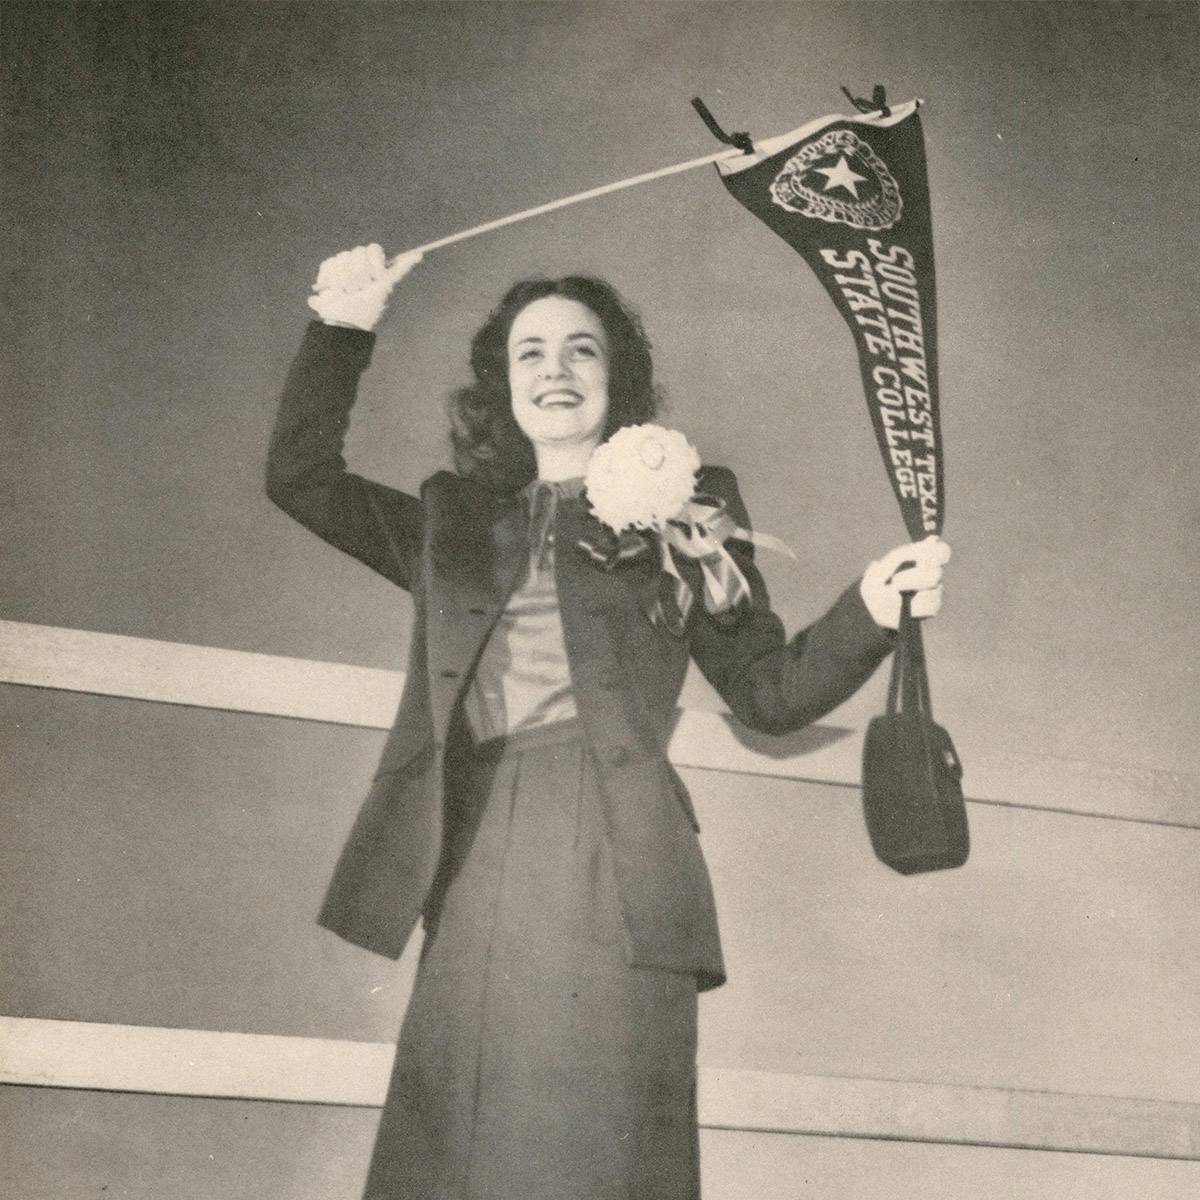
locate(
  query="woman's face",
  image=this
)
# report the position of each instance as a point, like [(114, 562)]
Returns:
[(558, 358)]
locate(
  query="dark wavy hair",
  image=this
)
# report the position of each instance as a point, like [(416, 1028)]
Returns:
[(488, 444)]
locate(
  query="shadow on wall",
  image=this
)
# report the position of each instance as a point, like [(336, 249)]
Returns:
[(781, 746)]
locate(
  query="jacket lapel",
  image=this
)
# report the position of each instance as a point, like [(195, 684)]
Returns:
[(509, 546), (478, 541)]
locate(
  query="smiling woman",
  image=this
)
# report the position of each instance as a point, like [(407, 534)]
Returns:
[(489, 442), (524, 807), (558, 380)]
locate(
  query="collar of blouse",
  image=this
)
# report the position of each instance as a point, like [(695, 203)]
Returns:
[(543, 497)]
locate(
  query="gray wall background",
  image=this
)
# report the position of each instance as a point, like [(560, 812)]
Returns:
[(171, 177), (174, 173)]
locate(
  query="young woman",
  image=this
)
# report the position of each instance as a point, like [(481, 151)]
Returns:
[(524, 806)]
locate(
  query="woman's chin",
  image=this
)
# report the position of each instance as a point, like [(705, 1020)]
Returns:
[(562, 430)]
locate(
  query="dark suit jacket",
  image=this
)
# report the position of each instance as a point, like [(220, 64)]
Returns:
[(460, 549)]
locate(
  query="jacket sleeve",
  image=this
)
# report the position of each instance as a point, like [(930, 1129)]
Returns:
[(770, 682), (306, 473)]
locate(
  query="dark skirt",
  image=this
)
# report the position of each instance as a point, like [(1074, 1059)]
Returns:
[(533, 1063)]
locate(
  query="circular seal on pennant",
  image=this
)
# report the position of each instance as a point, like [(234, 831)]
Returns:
[(839, 178)]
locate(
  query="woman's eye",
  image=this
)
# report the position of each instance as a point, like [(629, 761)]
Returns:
[(585, 351), (527, 355)]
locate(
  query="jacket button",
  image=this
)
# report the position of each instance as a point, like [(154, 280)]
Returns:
[(618, 756), (448, 674)]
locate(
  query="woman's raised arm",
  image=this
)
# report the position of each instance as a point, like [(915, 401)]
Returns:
[(306, 473)]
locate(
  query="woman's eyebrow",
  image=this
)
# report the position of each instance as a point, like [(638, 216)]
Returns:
[(571, 337)]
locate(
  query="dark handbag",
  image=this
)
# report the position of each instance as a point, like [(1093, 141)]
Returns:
[(912, 778)]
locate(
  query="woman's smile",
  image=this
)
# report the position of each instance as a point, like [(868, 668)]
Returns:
[(559, 397)]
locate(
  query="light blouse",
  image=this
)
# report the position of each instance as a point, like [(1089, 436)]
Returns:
[(523, 679)]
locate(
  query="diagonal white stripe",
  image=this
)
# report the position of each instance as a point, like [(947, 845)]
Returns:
[(196, 1062), (240, 681)]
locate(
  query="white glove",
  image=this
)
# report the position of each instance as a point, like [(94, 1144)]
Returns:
[(917, 568), (352, 288)]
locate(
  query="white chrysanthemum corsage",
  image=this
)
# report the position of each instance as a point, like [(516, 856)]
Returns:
[(642, 477)]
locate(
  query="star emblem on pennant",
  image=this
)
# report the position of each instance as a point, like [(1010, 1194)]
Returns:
[(856, 190), (841, 176)]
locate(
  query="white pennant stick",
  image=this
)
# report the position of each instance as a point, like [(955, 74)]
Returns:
[(762, 148), (590, 194)]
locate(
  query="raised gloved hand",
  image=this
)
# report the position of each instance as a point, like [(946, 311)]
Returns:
[(916, 568), (352, 287)]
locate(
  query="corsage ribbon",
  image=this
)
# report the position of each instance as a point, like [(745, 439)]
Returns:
[(699, 531)]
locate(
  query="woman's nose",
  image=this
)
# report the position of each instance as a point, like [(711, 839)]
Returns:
[(556, 366)]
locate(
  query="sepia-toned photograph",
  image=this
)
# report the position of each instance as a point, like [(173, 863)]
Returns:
[(597, 600)]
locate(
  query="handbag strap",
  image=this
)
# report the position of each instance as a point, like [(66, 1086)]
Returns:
[(916, 668), (908, 688), (899, 657)]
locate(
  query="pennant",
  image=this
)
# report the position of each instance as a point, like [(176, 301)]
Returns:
[(851, 195)]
